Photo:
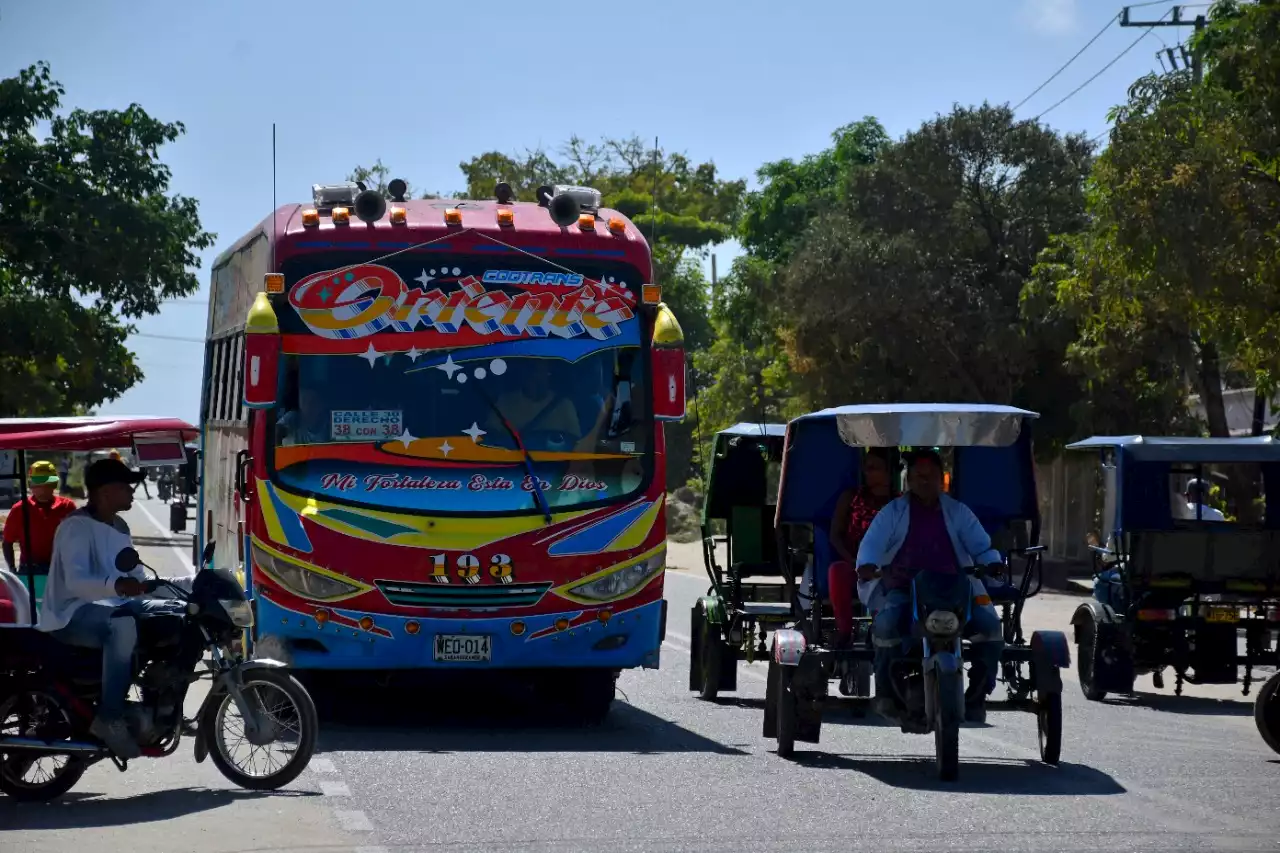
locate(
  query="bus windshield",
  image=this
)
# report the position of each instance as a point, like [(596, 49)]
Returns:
[(427, 432)]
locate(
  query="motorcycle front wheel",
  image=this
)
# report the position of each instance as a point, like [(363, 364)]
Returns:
[(288, 711)]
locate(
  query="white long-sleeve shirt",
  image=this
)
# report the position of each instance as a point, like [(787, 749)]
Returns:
[(83, 569)]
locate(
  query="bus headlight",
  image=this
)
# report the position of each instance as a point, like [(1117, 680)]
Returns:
[(302, 582), (620, 582)]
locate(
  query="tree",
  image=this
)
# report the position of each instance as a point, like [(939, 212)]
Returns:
[(792, 194), (911, 291), (1182, 242), (89, 239)]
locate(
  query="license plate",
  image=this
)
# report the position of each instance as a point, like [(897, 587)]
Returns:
[(1222, 614), (468, 648)]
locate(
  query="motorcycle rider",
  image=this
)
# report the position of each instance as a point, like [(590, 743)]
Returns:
[(926, 530), (88, 603)]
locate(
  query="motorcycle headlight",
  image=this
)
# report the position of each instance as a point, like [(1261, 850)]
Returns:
[(239, 610), (621, 582), (942, 623), (302, 582)]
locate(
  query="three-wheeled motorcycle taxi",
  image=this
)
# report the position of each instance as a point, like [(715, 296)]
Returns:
[(992, 471), (747, 597), (1187, 565)]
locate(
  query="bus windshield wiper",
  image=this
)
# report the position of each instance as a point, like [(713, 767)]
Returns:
[(539, 498)]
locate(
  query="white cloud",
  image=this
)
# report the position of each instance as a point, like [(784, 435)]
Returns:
[(1051, 17)]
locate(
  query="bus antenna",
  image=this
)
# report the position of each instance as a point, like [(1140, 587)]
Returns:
[(275, 230), (653, 210)]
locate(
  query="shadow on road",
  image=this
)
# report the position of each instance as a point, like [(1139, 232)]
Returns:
[(80, 809), (1193, 705), (445, 721), (977, 776)]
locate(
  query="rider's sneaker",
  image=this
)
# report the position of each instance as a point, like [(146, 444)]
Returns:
[(975, 712), (115, 734)]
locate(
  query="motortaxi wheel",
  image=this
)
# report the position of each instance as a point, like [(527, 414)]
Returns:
[(785, 697), (1049, 727), (710, 651), (1086, 660), (1266, 712)]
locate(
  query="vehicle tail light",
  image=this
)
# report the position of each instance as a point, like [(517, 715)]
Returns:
[(1157, 615)]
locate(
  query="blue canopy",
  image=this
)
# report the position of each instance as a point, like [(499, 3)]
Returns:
[(993, 461), (1146, 448)]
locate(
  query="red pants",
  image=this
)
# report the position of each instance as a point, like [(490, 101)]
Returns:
[(842, 586)]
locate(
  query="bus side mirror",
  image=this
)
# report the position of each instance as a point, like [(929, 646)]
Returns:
[(261, 355), (668, 383)]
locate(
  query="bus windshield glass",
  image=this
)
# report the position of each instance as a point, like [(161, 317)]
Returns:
[(401, 422)]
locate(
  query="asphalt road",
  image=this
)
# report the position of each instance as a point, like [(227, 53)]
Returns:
[(455, 770)]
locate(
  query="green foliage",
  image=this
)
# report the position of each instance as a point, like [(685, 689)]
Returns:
[(88, 238), (792, 193), (1174, 285), (911, 292)]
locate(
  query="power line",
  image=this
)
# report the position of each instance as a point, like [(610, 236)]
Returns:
[(1104, 68), (1067, 64)]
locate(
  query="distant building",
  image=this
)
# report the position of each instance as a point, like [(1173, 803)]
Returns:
[(1239, 405)]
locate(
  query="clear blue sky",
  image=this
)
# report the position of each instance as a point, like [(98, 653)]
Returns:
[(425, 85)]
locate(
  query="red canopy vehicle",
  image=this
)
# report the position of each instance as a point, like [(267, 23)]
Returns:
[(155, 441)]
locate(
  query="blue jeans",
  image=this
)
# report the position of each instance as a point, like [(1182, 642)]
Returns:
[(1108, 589), (115, 631), (890, 632)]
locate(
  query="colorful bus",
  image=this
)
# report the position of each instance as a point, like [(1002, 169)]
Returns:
[(432, 432)]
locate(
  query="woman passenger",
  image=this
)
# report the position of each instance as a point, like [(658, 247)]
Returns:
[(854, 511)]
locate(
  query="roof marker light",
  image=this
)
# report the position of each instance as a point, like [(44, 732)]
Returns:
[(587, 222), (310, 218), (617, 225), (399, 216), (453, 216), (506, 216), (341, 216)]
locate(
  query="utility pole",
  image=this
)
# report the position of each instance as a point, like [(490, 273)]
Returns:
[(1177, 20)]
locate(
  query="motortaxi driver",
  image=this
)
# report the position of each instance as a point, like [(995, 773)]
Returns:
[(926, 530)]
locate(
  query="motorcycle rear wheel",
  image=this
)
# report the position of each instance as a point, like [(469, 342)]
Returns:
[(42, 714), (264, 683)]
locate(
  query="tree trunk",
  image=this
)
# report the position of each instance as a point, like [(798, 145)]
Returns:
[(1211, 391)]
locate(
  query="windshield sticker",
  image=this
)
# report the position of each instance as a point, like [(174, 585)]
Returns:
[(474, 483), (368, 299), (364, 425)]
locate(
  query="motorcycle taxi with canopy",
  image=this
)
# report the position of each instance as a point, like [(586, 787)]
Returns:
[(992, 471), (1186, 567), (49, 690)]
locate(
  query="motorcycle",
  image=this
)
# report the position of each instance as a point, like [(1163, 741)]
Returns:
[(931, 684), (48, 692)]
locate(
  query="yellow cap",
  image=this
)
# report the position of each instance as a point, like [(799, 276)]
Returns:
[(42, 473)]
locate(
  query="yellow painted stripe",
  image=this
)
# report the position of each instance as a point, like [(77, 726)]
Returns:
[(269, 515), (638, 531), (451, 534)]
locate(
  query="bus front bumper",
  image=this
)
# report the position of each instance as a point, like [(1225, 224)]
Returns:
[(627, 639)]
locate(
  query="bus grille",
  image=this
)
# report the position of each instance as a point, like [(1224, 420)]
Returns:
[(463, 596)]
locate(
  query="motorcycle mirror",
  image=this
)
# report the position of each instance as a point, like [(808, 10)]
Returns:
[(127, 560), (207, 557)]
